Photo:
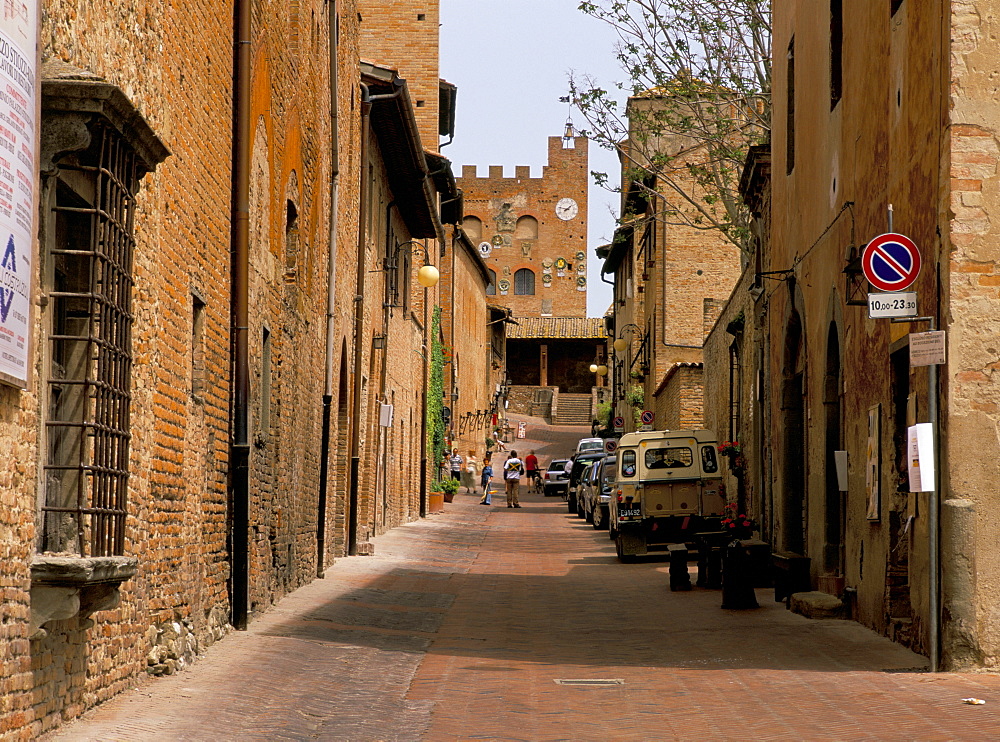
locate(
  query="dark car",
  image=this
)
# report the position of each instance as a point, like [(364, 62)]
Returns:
[(556, 478), (580, 461)]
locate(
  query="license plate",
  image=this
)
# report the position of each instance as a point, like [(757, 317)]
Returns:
[(629, 512)]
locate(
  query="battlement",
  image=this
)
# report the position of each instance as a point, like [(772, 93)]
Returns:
[(558, 157)]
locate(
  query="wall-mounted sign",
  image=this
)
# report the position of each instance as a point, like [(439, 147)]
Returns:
[(497, 240), (927, 349), (485, 248), (18, 73), (894, 304)]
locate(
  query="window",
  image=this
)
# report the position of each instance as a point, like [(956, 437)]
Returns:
[(291, 242), (709, 462), (790, 110), (524, 282), (265, 384), (668, 458), (836, 51), (735, 391), (491, 287), (894, 5), (197, 347), (87, 197), (628, 463)]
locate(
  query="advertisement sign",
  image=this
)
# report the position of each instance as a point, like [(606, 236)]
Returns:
[(18, 142)]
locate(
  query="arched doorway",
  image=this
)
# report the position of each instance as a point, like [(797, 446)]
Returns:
[(834, 513), (793, 465)]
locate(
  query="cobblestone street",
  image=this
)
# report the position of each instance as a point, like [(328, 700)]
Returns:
[(496, 624)]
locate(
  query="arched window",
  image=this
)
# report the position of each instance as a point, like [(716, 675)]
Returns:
[(524, 282), (491, 288), (473, 227)]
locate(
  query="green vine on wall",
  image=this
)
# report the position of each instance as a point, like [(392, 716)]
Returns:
[(435, 393), (636, 399)]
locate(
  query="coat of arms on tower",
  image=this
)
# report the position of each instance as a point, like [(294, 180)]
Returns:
[(505, 219)]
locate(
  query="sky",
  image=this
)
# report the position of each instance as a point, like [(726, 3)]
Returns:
[(511, 61)]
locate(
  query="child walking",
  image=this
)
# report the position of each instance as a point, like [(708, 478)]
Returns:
[(487, 475)]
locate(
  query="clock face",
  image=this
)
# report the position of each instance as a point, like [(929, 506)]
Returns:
[(566, 209)]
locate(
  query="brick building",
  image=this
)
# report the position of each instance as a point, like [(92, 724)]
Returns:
[(884, 120), (533, 231), (225, 379), (671, 276)]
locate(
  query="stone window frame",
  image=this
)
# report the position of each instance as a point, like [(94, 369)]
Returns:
[(95, 148)]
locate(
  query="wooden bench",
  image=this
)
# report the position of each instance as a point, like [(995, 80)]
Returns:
[(791, 575), (679, 577)]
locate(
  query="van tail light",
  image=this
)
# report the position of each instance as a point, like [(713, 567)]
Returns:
[(620, 498), (546, 475)]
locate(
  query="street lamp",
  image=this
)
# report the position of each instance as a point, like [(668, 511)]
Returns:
[(602, 370), (428, 275), (621, 343)]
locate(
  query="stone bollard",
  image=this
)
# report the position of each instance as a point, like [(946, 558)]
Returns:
[(737, 585)]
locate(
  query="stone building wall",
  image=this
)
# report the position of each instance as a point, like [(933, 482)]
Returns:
[(972, 444), (463, 299), (516, 217)]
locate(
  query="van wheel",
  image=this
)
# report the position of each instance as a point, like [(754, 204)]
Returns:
[(596, 520)]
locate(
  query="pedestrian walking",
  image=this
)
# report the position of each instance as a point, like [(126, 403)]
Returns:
[(455, 464), (487, 477), (513, 468), (531, 465), (470, 473)]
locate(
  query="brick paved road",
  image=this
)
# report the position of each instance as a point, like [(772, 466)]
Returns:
[(461, 625)]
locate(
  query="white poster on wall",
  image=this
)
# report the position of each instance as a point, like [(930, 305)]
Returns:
[(18, 139), (920, 457)]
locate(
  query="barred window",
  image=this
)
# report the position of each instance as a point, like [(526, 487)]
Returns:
[(91, 173), (524, 282)]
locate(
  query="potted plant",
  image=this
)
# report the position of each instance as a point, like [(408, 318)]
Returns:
[(435, 498), (737, 524), (449, 487)]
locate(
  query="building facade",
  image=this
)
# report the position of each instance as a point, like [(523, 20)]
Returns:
[(884, 121), (532, 232), (228, 325)]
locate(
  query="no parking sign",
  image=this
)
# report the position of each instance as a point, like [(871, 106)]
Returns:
[(647, 419), (891, 262)]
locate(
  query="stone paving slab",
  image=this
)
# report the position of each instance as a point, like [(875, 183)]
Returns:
[(461, 626)]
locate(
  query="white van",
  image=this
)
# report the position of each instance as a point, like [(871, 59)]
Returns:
[(667, 488)]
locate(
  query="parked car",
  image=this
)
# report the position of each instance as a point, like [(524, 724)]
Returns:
[(668, 487), (599, 491), (555, 479), (583, 485), (580, 460), (590, 445)]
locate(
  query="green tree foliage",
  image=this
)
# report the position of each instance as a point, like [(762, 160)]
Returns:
[(698, 78), (435, 394)]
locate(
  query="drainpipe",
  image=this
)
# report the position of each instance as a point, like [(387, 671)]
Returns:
[(359, 311), (331, 293), (239, 450)]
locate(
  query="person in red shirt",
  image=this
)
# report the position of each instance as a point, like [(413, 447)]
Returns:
[(531, 466)]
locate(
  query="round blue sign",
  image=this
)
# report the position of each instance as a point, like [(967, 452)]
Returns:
[(891, 262)]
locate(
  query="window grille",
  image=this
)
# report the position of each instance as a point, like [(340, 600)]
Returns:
[(524, 282), (90, 347)]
